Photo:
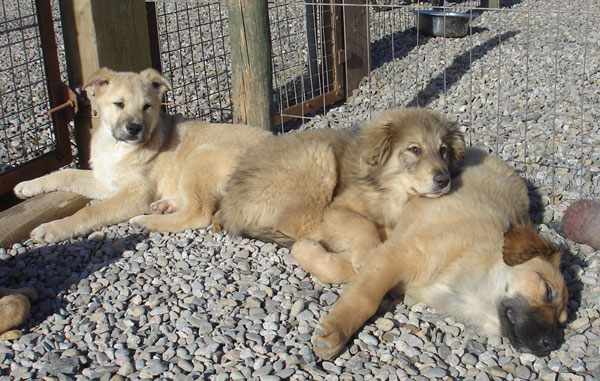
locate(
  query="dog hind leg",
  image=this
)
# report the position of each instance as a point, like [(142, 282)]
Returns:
[(197, 200), (326, 266)]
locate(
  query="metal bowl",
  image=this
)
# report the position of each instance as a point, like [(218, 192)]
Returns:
[(443, 23)]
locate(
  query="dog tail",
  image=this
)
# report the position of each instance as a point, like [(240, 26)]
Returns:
[(270, 235)]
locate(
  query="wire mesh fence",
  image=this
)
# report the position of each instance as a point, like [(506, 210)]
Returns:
[(523, 82), (26, 130), (195, 54)]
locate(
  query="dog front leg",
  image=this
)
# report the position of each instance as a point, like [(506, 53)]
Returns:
[(359, 301), (78, 181), (123, 206)]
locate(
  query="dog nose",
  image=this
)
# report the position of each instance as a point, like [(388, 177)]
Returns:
[(133, 128), (442, 180), (547, 343)]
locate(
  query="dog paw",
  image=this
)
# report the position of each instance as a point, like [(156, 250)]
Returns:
[(165, 206), (27, 189), (327, 341), (49, 233), (137, 222), (13, 334), (305, 248)]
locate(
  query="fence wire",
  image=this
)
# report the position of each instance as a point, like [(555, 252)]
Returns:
[(25, 132)]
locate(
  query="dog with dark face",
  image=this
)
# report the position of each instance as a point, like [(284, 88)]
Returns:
[(472, 254), (332, 191), (140, 155)]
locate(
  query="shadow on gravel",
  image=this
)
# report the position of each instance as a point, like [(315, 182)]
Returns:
[(459, 66), (53, 270), (383, 51)]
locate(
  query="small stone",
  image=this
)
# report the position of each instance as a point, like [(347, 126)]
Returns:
[(435, 373), (384, 324), (185, 365), (297, 307), (368, 338), (546, 374), (305, 315), (522, 372), (64, 366), (496, 371), (331, 368), (468, 359)]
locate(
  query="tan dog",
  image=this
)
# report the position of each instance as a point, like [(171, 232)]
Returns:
[(14, 308), (336, 188), (140, 155), (469, 254)]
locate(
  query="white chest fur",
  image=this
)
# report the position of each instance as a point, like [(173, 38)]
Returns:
[(109, 158)]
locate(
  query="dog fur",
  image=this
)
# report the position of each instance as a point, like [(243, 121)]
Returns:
[(471, 254), (14, 308), (327, 190), (140, 156)]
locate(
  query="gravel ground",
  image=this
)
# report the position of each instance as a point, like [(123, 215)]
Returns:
[(119, 304)]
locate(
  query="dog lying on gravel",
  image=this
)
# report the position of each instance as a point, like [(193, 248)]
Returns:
[(333, 189), (472, 254), (14, 308), (140, 156)]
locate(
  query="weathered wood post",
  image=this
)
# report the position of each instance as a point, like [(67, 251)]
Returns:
[(357, 47), (251, 81), (111, 33)]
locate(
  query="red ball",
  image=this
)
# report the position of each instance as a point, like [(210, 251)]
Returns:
[(581, 223)]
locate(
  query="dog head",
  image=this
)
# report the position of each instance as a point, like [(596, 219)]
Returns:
[(412, 146), (127, 103), (535, 298)]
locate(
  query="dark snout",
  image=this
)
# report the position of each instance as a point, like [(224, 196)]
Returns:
[(442, 180), (133, 129), (529, 329)]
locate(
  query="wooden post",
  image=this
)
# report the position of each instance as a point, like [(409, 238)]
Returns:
[(17, 222), (357, 48), (251, 79), (111, 33)]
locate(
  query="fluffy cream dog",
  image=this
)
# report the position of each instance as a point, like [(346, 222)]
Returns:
[(332, 190)]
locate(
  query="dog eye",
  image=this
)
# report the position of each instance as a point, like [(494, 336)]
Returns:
[(120, 104), (414, 149), (146, 107), (548, 293), (443, 151)]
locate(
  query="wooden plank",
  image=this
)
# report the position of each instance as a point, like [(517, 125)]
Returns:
[(308, 106), (356, 53), (111, 33), (17, 222), (251, 80)]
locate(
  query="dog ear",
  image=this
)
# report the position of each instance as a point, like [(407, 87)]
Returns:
[(160, 83), (98, 80), (376, 142), (522, 243), (455, 140)]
